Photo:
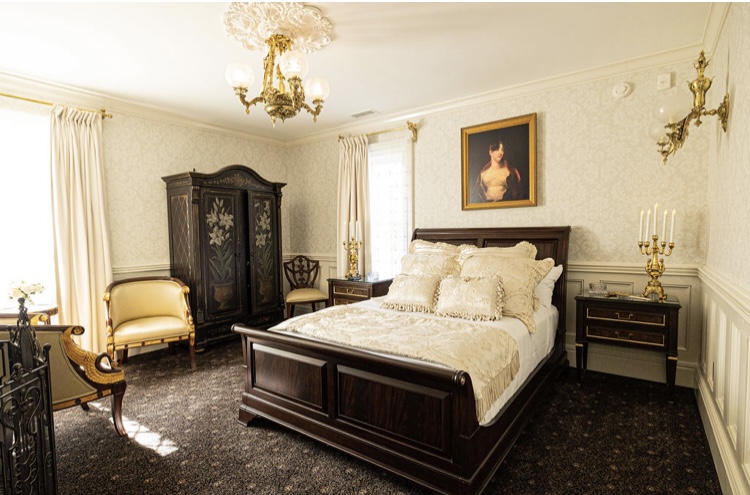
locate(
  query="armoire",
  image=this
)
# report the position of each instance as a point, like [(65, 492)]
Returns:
[(225, 244)]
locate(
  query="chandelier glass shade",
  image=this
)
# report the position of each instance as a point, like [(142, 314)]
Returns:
[(290, 30)]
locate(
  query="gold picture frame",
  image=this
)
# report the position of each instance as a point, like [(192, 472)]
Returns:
[(498, 164)]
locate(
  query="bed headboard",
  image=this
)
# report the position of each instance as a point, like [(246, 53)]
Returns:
[(550, 242)]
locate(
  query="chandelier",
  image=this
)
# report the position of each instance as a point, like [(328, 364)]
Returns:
[(286, 31)]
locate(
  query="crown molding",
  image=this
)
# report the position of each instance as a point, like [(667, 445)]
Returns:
[(685, 54), (27, 87)]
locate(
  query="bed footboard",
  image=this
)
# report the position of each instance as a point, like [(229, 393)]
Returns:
[(414, 419)]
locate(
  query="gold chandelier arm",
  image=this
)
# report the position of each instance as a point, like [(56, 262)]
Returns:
[(318, 107), (242, 93)]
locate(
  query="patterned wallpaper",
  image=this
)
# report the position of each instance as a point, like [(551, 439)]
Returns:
[(597, 168), (728, 170), (312, 190), (138, 152)]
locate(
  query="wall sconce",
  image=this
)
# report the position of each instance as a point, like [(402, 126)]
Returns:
[(670, 134)]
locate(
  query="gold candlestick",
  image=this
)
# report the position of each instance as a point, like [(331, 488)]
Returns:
[(352, 247), (655, 266)]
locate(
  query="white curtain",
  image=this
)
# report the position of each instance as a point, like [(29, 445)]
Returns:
[(390, 175), (79, 222), (352, 217)]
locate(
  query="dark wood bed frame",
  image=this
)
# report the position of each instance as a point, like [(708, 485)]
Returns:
[(416, 420)]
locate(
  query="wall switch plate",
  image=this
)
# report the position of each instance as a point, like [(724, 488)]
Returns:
[(664, 81)]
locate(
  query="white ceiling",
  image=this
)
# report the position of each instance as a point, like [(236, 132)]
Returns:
[(396, 59)]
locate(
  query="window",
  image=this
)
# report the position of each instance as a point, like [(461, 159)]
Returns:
[(27, 250), (390, 190)]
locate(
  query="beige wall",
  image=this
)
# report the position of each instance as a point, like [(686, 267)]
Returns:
[(729, 157), (138, 152), (597, 168)]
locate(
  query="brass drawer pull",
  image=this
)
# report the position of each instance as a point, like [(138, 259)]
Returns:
[(629, 337), (629, 317)]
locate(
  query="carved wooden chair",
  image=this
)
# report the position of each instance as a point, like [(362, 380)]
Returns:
[(146, 311), (77, 376), (302, 272)]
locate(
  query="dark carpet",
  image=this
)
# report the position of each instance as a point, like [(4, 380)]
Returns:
[(610, 435)]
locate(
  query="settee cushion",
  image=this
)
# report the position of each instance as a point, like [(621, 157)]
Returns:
[(150, 328)]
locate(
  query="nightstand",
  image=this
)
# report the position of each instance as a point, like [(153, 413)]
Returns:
[(345, 291), (622, 321)]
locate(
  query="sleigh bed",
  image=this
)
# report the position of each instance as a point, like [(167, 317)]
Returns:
[(416, 419)]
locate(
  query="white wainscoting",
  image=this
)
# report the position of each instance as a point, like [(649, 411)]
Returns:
[(723, 379)]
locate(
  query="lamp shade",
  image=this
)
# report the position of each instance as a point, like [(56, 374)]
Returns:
[(293, 64), (317, 88), (239, 75), (673, 108), (658, 132)]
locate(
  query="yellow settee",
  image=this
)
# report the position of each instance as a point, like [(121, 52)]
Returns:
[(78, 376)]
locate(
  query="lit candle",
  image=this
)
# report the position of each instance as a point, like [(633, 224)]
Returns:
[(356, 232), (671, 230), (351, 230), (656, 206), (640, 227), (648, 222), (664, 227)]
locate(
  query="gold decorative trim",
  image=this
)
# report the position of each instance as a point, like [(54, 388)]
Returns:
[(87, 360)]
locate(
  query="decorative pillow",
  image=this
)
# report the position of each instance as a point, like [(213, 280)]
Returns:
[(545, 288), (520, 276), (443, 265), (471, 298), (412, 293), (523, 249), (422, 246)]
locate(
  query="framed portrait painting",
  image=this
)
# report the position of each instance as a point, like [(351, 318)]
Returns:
[(498, 164)]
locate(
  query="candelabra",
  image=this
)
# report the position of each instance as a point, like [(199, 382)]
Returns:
[(655, 266), (352, 247)]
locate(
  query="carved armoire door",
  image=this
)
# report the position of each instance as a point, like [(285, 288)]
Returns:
[(223, 227), (265, 246)]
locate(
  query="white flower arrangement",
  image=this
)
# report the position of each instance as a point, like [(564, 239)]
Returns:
[(25, 290)]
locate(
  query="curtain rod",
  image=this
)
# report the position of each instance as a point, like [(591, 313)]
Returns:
[(102, 111), (409, 125)]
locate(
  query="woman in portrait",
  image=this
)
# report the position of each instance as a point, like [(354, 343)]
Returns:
[(498, 180)]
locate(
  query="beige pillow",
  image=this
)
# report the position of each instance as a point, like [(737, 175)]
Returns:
[(412, 293), (520, 276), (442, 265), (523, 249), (421, 246), (471, 298)]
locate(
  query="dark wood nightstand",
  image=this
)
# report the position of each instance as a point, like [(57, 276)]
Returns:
[(622, 321), (345, 291)]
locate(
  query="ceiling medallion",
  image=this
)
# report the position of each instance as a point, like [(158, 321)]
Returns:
[(283, 31)]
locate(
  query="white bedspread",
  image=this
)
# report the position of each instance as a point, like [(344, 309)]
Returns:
[(531, 348)]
